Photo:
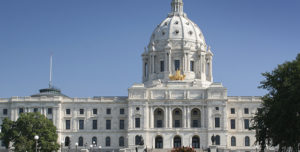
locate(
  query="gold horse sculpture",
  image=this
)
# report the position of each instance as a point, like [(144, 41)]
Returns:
[(177, 76)]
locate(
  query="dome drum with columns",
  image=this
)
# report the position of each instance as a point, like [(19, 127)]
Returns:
[(177, 43)]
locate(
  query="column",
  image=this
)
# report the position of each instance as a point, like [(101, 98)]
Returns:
[(170, 117), (188, 117), (152, 64), (130, 117), (183, 63), (170, 63), (151, 118), (166, 117), (183, 117)]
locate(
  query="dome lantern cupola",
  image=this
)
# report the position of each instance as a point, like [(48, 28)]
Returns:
[(177, 6)]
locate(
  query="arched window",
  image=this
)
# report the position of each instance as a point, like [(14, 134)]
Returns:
[(233, 141), (159, 142), (80, 141), (67, 141), (158, 118), (94, 141), (107, 141), (177, 118), (138, 140), (218, 140), (196, 118), (177, 142), (195, 142), (121, 141), (247, 141)]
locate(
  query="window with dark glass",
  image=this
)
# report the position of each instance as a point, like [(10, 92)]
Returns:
[(95, 111), (217, 108), (159, 124), (35, 109), (80, 141), (21, 110), (233, 141), (81, 124), (121, 142), (247, 141), (246, 111), (246, 123), (108, 111), (138, 140), (122, 124), (49, 111), (137, 123), (232, 123), (122, 111), (67, 141), (196, 142), (162, 66), (68, 124), (177, 123), (107, 141), (192, 66), (232, 111), (218, 140), (195, 123), (108, 124), (177, 64), (68, 111), (158, 142), (177, 142), (94, 141), (146, 70), (4, 111), (217, 122), (95, 124), (81, 111)]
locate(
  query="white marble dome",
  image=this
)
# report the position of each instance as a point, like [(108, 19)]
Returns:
[(177, 27)]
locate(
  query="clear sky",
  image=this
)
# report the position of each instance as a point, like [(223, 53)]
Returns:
[(97, 44)]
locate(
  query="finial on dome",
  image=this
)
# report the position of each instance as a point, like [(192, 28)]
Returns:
[(177, 6)]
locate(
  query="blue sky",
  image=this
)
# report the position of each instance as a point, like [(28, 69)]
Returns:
[(97, 44)]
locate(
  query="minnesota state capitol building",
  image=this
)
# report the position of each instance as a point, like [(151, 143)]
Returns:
[(177, 104)]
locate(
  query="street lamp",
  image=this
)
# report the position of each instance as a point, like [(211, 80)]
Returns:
[(100, 148), (91, 146), (76, 145), (36, 138), (62, 142)]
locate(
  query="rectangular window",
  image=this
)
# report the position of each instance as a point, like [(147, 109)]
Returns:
[(4, 111), (246, 123), (246, 111), (146, 70), (195, 123), (159, 124), (95, 111), (162, 66), (35, 109), (232, 111), (232, 123), (68, 111), (81, 111), (81, 124), (95, 125), (177, 64), (122, 124), (21, 110), (137, 122), (108, 111), (177, 123), (108, 124), (217, 108), (49, 111), (122, 112), (68, 124), (192, 66), (217, 122)]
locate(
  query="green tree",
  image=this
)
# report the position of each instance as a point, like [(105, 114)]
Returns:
[(277, 122), (21, 133)]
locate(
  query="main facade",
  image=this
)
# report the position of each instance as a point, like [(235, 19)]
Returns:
[(177, 104)]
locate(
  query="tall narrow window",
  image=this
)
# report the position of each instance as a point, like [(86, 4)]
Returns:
[(162, 66), (138, 140), (218, 140), (247, 141), (177, 142), (107, 141), (232, 123), (21, 110), (137, 123), (246, 110), (4, 111), (94, 141), (68, 124), (122, 124), (81, 111), (80, 141), (121, 141), (217, 122), (108, 111), (95, 111), (232, 110), (49, 111), (67, 141), (95, 126), (233, 141), (246, 123), (81, 124), (122, 112), (192, 66), (108, 124), (177, 64), (146, 70), (196, 142), (158, 142), (68, 111), (35, 110)]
